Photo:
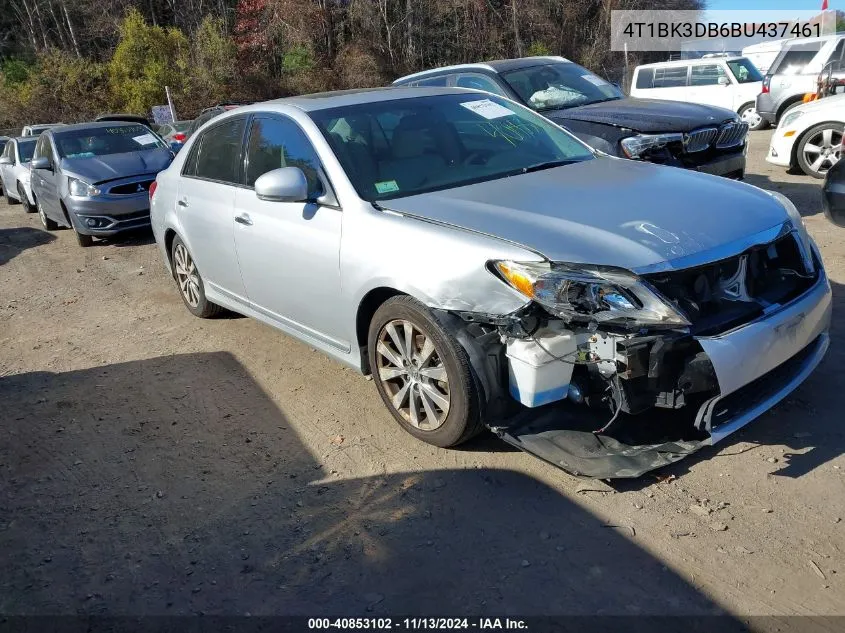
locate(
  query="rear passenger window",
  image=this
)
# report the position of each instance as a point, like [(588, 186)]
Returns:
[(645, 78), (706, 75), (479, 82), (219, 152), (434, 81), (275, 143), (671, 77)]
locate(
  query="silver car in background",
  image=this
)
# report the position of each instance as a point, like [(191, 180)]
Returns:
[(14, 171), (489, 269), (94, 177)]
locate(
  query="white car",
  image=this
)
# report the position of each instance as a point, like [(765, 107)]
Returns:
[(35, 130), (14, 171), (727, 82), (809, 136)]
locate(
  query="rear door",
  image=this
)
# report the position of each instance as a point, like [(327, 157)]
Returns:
[(709, 84), (667, 82), (205, 202), (289, 252)]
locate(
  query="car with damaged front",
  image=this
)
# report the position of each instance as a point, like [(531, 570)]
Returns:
[(488, 269), (693, 136)]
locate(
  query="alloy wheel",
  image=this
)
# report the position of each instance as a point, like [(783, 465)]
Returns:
[(822, 150), (413, 374), (186, 275)]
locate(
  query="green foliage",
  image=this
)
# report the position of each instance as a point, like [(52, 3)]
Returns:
[(297, 59), (15, 71), (538, 49), (213, 71), (147, 59)]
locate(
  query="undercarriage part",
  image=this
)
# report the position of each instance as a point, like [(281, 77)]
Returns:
[(722, 295)]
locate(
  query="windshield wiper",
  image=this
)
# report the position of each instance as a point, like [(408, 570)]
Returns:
[(550, 164)]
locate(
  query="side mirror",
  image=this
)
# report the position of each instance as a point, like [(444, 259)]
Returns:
[(286, 184), (5, 160), (724, 81), (42, 162)]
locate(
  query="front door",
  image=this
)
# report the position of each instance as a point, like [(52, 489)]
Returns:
[(709, 84), (289, 252)]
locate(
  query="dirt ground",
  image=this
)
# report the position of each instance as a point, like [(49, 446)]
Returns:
[(155, 463)]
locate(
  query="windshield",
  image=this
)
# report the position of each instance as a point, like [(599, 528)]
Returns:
[(744, 71), (25, 150), (559, 85), (101, 141), (404, 147)]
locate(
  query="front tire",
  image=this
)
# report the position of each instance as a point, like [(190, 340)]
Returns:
[(819, 149), (189, 281), (9, 199), (422, 374), (47, 223), (83, 240), (749, 114), (27, 207)]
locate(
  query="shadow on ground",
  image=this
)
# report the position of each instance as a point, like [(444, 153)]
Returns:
[(14, 241), (806, 195), (175, 485)]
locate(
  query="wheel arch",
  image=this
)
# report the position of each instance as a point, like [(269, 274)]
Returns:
[(787, 103), (169, 235), (367, 307), (745, 105)]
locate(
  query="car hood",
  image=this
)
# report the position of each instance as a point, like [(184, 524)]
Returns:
[(112, 166), (645, 115), (834, 103), (606, 211)]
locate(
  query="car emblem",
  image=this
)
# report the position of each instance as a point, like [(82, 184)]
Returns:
[(140, 189)]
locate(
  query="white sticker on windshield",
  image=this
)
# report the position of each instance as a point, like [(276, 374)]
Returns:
[(596, 81), (144, 139), (488, 109)]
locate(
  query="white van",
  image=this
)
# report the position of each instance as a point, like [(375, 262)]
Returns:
[(763, 54), (727, 82)]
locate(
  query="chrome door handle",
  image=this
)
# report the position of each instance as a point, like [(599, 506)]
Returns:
[(244, 219), (182, 203)]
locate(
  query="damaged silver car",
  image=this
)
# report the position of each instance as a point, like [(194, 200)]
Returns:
[(489, 269)]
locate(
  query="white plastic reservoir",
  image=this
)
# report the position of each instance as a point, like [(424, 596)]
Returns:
[(536, 378)]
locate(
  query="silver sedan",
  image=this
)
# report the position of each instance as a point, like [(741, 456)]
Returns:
[(490, 270)]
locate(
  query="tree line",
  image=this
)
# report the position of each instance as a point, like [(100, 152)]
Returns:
[(68, 60)]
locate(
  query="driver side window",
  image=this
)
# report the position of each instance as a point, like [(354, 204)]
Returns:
[(274, 143)]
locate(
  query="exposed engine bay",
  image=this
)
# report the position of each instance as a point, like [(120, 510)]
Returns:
[(610, 398)]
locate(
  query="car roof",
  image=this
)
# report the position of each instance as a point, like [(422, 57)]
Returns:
[(692, 62), (92, 125), (22, 138), (337, 98), (495, 65)]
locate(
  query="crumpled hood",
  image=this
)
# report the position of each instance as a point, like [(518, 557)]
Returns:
[(605, 211), (111, 166), (646, 115)]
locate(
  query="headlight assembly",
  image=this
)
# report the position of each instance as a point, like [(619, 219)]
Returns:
[(81, 189), (636, 146), (591, 293), (800, 228), (789, 119)]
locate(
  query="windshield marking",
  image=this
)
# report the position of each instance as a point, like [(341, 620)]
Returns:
[(510, 131)]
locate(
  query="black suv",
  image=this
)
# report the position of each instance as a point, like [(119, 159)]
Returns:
[(209, 113), (700, 137)]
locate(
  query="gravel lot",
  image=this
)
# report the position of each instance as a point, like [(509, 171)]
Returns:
[(155, 463)]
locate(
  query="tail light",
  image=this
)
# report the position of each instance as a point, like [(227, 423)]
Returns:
[(153, 188), (179, 137), (766, 81)]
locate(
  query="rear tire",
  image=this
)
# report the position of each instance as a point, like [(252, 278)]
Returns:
[(47, 223), (9, 199), (27, 207), (189, 282), (748, 113), (422, 374)]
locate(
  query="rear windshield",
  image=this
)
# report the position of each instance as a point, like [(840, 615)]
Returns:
[(404, 147), (744, 71), (794, 59), (102, 141), (25, 150)]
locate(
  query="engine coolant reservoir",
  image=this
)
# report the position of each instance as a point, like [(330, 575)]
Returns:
[(536, 377)]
